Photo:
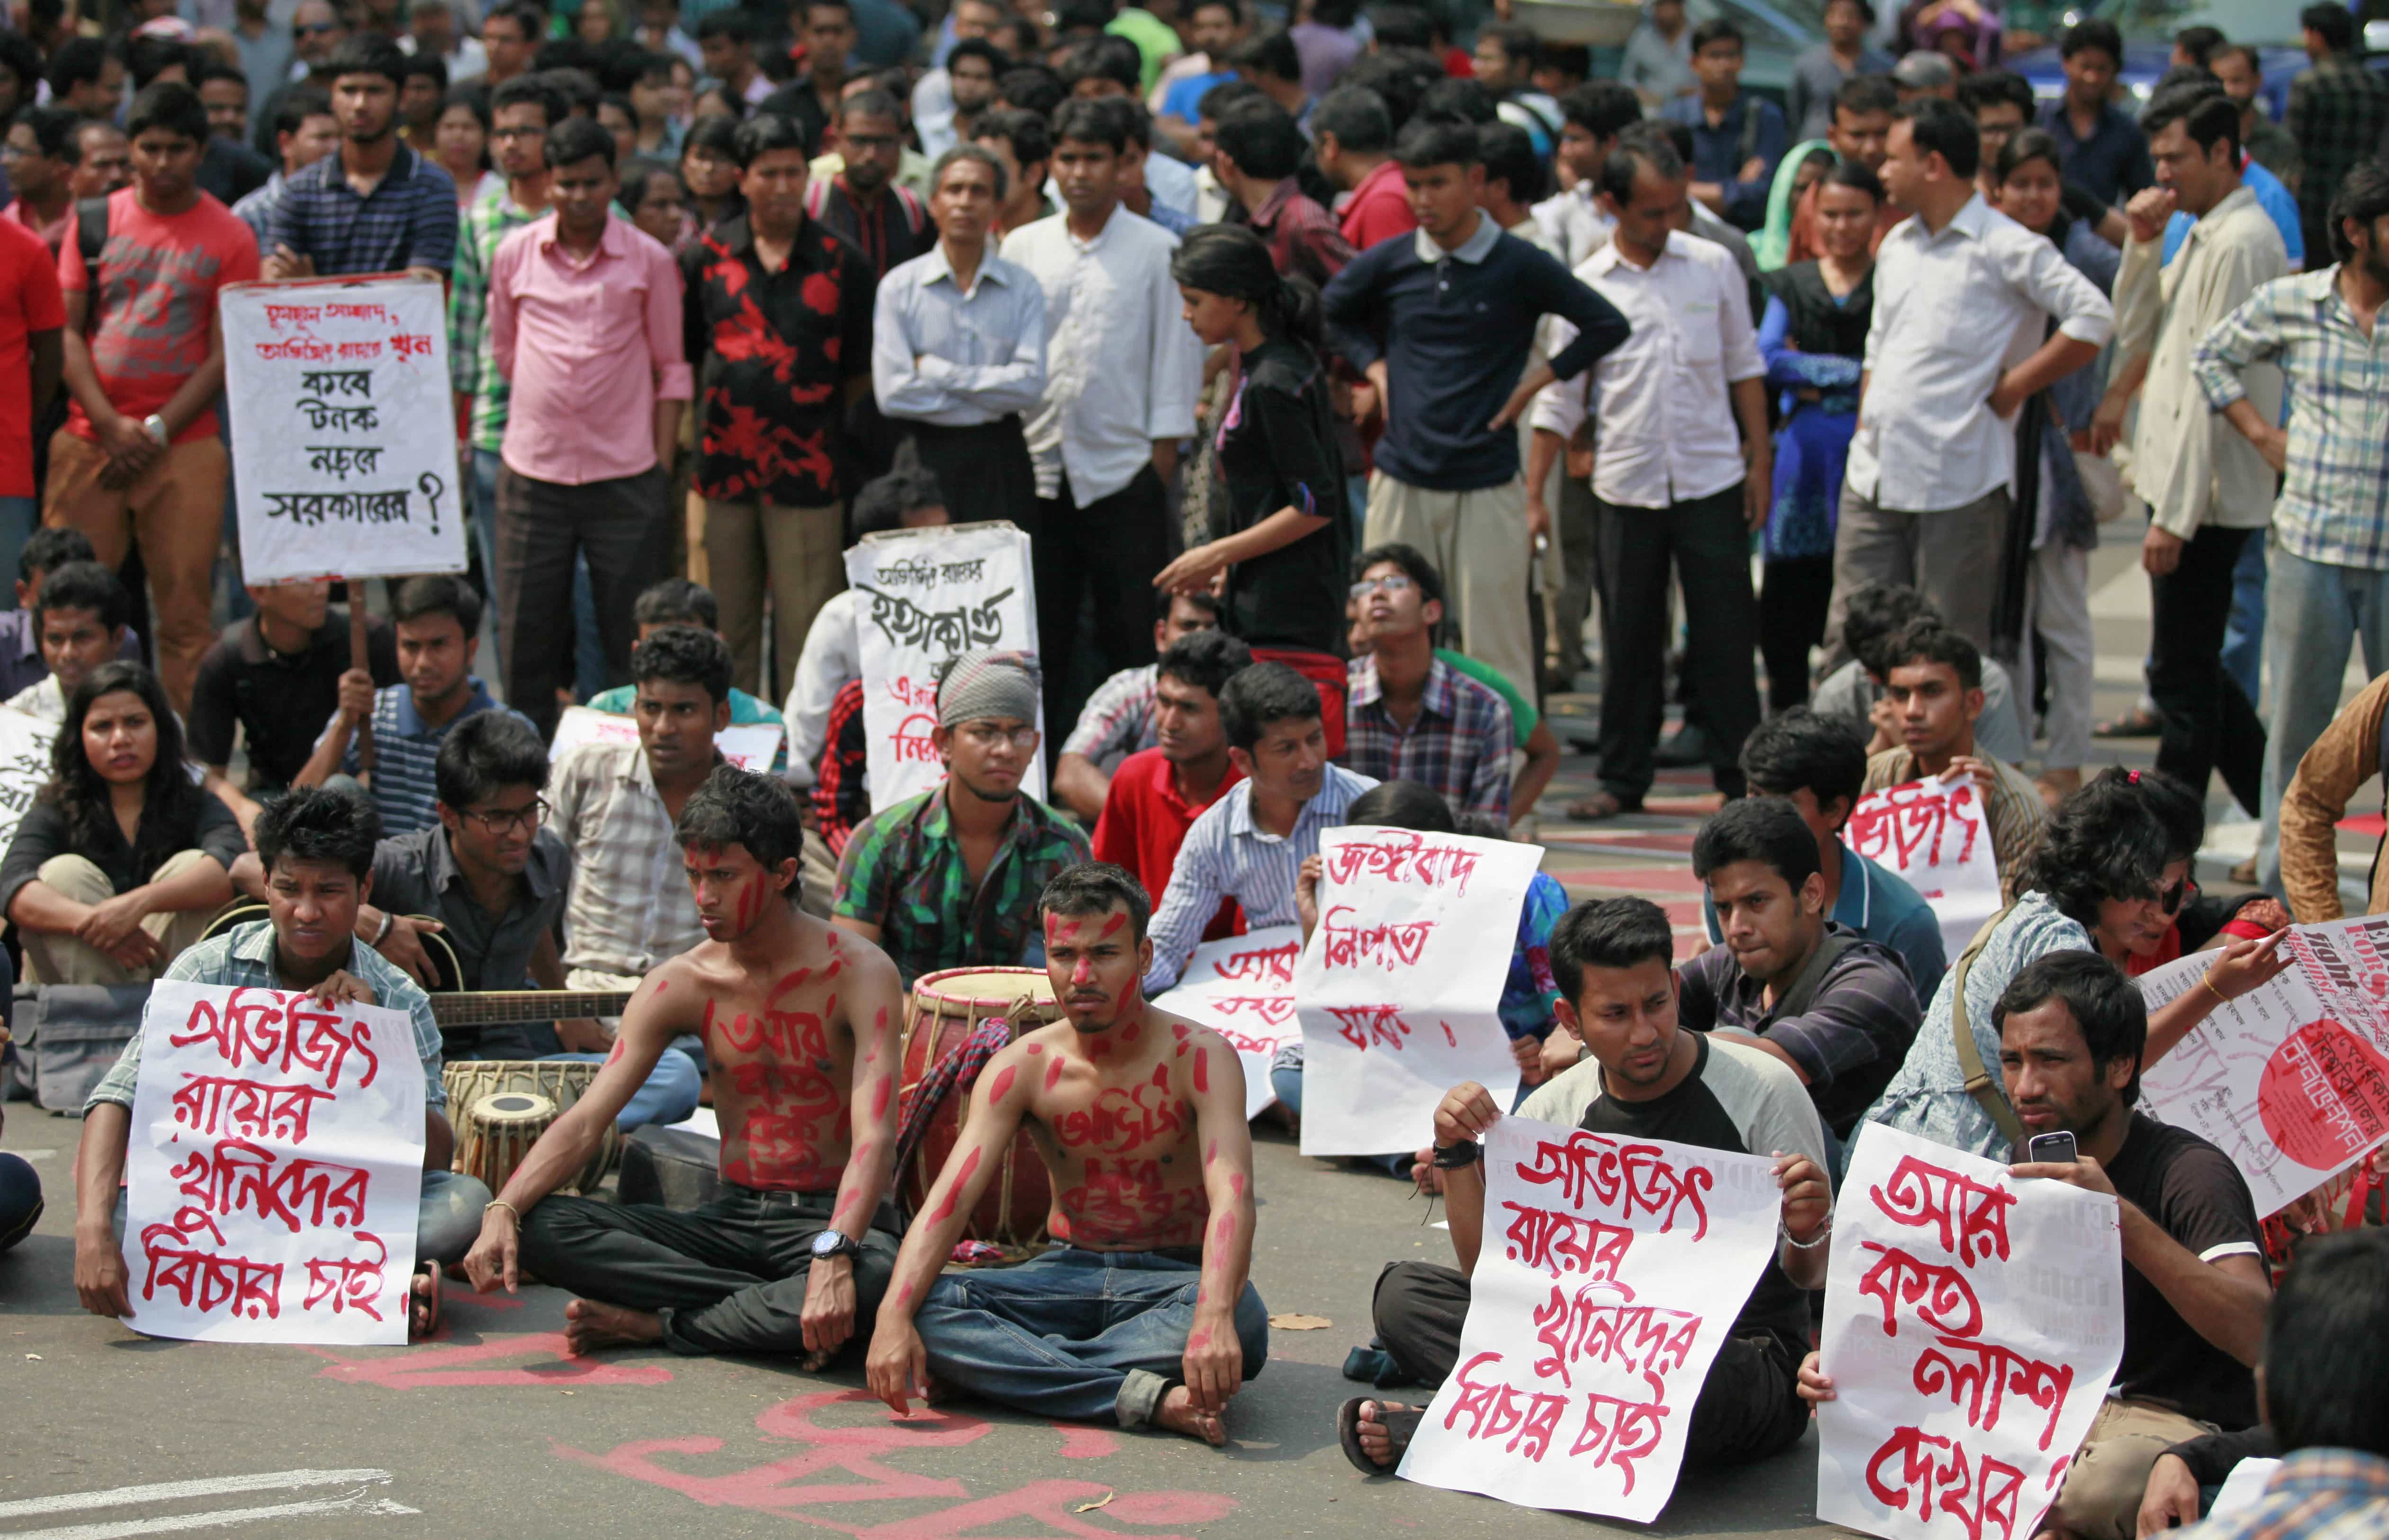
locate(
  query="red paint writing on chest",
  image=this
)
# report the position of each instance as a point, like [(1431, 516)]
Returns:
[(1122, 1121)]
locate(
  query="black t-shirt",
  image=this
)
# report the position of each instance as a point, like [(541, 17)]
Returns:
[(2194, 1194), (280, 703), (45, 833), (1277, 450)]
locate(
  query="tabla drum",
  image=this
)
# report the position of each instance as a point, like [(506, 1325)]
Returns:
[(945, 1008), (498, 1132), (559, 1082)]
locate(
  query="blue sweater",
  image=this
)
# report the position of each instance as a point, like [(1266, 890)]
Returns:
[(1456, 336)]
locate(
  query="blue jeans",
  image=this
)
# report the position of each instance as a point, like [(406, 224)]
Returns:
[(2244, 635), (669, 1096), (447, 1219), (1076, 1334), (20, 1199), (19, 517), (2312, 613), (485, 540)]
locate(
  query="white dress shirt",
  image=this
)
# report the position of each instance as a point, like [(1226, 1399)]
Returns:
[(1666, 422), (1952, 313), (832, 656), (1122, 368), (1572, 219), (954, 357)]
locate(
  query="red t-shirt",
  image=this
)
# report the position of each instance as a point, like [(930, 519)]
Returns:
[(29, 302), (159, 274), (1146, 820), (1379, 207)]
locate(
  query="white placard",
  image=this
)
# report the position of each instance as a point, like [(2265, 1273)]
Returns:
[(924, 597), (274, 1170), (1973, 1321), (2291, 1079), (1399, 987), (1242, 988), (343, 429), (24, 766), (2244, 1489), (1609, 1276), (750, 747), (1937, 835)]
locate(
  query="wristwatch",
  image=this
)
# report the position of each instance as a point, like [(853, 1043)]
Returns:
[(155, 426), (830, 1242), (1453, 1157)]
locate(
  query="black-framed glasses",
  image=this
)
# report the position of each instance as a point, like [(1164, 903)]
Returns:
[(2170, 898), (500, 821)]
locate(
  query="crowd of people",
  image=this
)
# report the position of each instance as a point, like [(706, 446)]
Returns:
[(1340, 377)]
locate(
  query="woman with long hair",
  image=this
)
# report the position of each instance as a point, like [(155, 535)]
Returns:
[(123, 858), (709, 170), (1285, 548), (460, 140)]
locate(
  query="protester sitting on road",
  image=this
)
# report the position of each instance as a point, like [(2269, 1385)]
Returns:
[(121, 860), (318, 850), (82, 618), (2106, 876), (1158, 793), (1530, 733), (1856, 691), (1118, 717), (1148, 1316), (678, 602), (46, 551), (275, 675), (2073, 1035), (1644, 1079), (1411, 716), (2201, 919)]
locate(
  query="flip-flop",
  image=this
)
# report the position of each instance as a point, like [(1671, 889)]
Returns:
[(428, 1303), (1600, 805), (2135, 723), (1399, 1423)]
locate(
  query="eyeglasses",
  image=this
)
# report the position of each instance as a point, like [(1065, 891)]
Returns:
[(500, 821), (989, 735), (1394, 584), (2170, 900)]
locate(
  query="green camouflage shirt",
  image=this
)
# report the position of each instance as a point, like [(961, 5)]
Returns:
[(904, 871)]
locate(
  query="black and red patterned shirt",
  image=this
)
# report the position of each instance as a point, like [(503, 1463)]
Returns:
[(775, 352)]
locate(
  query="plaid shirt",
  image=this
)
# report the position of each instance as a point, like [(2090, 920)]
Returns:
[(243, 957), (1304, 239), (2338, 110), (904, 871), (1459, 744), (472, 366), (2334, 507), (631, 908), (1117, 719), (408, 221), (406, 785), (2316, 1494)]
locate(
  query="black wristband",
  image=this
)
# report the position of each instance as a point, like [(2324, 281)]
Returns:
[(1455, 1156)]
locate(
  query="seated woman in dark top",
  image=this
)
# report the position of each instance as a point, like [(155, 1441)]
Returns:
[(1285, 545), (123, 858)]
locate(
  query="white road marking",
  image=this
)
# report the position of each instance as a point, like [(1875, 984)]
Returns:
[(118, 1529), (356, 1500), (167, 1492)]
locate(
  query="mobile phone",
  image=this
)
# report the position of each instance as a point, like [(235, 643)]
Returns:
[(2056, 1147)]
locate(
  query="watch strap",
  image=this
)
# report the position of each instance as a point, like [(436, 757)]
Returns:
[(1453, 1157)]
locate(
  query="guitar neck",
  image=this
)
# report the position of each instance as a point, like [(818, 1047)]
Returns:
[(490, 1007)]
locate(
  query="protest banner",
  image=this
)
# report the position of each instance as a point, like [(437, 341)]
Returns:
[(923, 598), (343, 429), (1242, 988), (24, 766), (274, 1170), (1973, 1321), (751, 748), (1396, 991), (1937, 835), (2291, 1079), (1609, 1275)]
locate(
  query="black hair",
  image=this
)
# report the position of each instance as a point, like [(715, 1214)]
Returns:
[(1932, 641), (2105, 1006), (683, 655), (2092, 32), (2185, 74), (1088, 123), (1411, 559), (748, 809), (297, 105), (1135, 124), (1235, 8), (1942, 127), (1092, 887), (54, 131), (2024, 146), (1459, 100), (85, 585), (2327, 19), (532, 88), (1024, 35), (171, 107), (1261, 138), (1263, 693), (581, 92), (1165, 604), (1272, 53), (50, 548), (1225, 97), (1659, 134), (1403, 805), (473, 96), (729, 23), (639, 174), (2327, 1346), (429, 67), (171, 799), (559, 54), (1875, 614), (2176, 807), (1400, 76), (1634, 151), (1031, 142), (1990, 87), (1850, 173), (527, 17), (2200, 43), (2246, 53), (1091, 16), (998, 61), (2363, 196), (627, 66), (1095, 59), (884, 501), (872, 103), (805, 10), (21, 59), (317, 823), (1609, 933), (1571, 60), (1603, 108), (438, 593), (2104, 842), (1205, 660), (1866, 9), (367, 54), (2204, 111), (1767, 829), (1717, 29), (676, 601), (1231, 261), (485, 753), (1425, 144), (1357, 117), (762, 134), (146, 58), (1339, 14), (1860, 94), (1801, 750), (1402, 26), (1030, 88), (576, 139), (1509, 158), (79, 61)]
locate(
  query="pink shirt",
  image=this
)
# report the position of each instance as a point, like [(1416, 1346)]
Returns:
[(588, 347)]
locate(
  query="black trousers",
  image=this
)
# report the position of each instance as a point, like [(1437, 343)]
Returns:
[(1748, 1407), (1110, 551), (2209, 722), (726, 1278), (1708, 545), (984, 472), (621, 526), (1792, 604)]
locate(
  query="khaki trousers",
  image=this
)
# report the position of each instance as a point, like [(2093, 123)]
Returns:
[(1479, 543), (51, 959), (800, 552), (2101, 1496)]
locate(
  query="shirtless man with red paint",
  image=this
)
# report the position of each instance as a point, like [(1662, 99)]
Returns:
[(800, 1026), (1147, 1315)]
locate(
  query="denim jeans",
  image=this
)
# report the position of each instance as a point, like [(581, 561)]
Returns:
[(2244, 635), (669, 1095), (1074, 1333), (447, 1217), (2312, 613)]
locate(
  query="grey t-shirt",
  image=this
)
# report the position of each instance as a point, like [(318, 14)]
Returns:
[(1848, 693)]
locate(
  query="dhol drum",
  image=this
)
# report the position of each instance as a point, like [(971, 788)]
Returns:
[(499, 1131), (946, 1008), (559, 1083)]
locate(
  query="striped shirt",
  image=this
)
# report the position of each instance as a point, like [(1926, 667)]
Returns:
[(631, 908), (409, 219), (1228, 856), (406, 751), (243, 957), (1117, 719), (2316, 1494), (472, 366), (2333, 506)]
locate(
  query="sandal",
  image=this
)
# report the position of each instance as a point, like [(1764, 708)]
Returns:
[(2135, 723), (1400, 1423), (423, 1306), (1600, 805)]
